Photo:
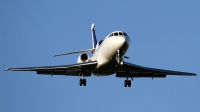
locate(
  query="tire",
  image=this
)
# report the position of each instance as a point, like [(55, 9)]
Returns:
[(125, 83), (129, 83), (80, 82), (84, 82)]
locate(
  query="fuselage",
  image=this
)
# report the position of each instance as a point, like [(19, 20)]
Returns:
[(116, 43)]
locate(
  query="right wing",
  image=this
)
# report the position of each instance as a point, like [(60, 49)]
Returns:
[(140, 71), (70, 70)]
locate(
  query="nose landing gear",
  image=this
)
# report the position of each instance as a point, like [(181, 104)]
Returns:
[(119, 59)]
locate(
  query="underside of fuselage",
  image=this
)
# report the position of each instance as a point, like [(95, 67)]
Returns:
[(106, 69)]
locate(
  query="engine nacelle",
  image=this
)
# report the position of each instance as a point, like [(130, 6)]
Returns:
[(83, 58)]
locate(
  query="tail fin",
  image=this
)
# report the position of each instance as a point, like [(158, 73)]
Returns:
[(94, 40)]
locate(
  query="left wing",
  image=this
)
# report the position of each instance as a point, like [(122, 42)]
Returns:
[(70, 70), (133, 70)]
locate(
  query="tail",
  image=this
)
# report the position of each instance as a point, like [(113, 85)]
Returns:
[(94, 43), (94, 40)]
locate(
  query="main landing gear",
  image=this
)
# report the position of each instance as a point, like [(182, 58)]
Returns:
[(82, 81), (128, 82)]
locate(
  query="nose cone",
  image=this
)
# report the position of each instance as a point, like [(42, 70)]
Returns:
[(128, 39), (122, 41), (119, 43)]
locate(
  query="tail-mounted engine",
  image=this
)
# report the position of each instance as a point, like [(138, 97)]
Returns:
[(83, 58)]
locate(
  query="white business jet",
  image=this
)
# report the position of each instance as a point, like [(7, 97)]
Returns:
[(107, 59)]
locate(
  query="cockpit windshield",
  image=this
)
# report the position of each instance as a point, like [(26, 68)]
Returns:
[(118, 34), (125, 34)]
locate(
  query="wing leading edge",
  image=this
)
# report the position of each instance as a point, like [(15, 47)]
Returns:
[(139, 71), (70, 70)]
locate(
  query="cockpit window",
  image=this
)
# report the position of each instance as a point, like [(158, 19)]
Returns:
[(116, 34), (120, 33), (125, 34), (111, 35)]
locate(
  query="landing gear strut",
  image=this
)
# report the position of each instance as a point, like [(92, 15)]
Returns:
[(82, 81)]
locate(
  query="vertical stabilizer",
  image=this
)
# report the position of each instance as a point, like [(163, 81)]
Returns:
[(94, 40)]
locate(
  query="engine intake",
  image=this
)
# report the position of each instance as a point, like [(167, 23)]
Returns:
[(83, 58)]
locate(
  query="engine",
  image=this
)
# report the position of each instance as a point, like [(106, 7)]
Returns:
[(83, 58)]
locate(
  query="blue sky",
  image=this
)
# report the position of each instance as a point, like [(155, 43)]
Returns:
[(164, 34)]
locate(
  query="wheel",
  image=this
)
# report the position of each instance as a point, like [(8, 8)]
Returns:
[(80, 82), (129, 83), (125, 83), (84, 82)]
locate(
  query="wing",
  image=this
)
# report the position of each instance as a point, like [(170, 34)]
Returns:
[(70, 70), (139, 71)]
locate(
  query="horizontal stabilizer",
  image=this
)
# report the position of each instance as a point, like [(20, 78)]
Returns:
[(74, 52)]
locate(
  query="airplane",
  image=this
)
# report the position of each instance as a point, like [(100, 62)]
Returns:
[(107, 59)]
